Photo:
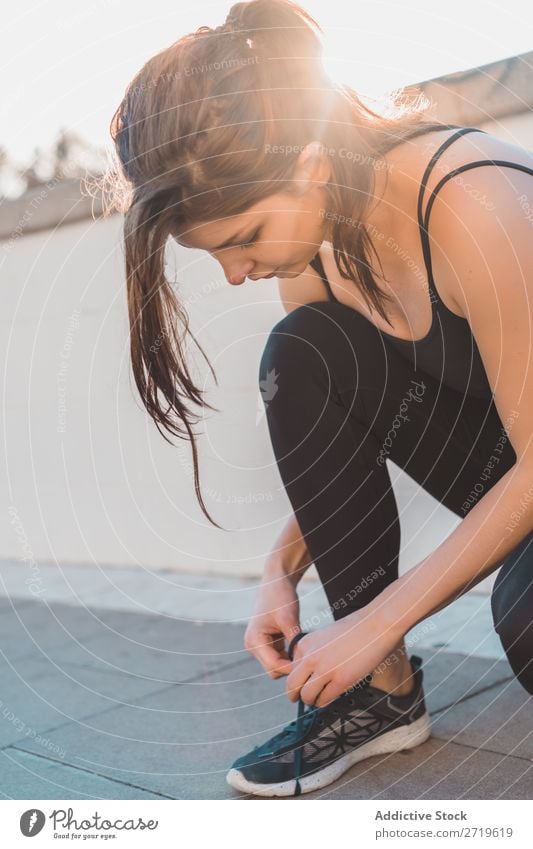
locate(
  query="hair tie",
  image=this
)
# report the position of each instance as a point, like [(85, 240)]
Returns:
[(233, 28)]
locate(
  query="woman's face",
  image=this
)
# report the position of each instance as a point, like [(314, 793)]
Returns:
[(276, 237)]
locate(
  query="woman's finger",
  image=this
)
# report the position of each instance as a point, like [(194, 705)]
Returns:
[(313, 688), (270, 658), (297, 678), (327, 695)]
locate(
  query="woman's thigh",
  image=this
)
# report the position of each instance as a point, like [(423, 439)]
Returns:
[(453, 445), (341, 401), (512, 610)]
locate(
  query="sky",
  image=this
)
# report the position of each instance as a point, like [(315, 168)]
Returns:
[(66, 63)]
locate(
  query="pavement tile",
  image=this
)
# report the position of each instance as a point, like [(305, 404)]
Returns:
[(38, 696), (500, 720), (25, 776), (451, 677), (158, 647), (434, 770), (465, 627), (185, 770), (117, 706), (181, 741), (30, 628)]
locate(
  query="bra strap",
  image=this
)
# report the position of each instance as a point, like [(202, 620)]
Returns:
[(317, 264), (423, 220)]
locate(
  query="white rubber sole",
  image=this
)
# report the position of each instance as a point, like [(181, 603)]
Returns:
[(404, 737)]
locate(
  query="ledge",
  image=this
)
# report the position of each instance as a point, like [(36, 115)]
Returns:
[(469, 98)]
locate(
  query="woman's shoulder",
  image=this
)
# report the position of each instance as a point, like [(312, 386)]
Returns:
[(473, 215), (472, 158)]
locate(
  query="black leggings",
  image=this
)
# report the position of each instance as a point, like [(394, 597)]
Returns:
[(339, 401)]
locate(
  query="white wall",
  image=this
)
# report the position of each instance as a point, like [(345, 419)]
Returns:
[(103, 486), (97, 482)]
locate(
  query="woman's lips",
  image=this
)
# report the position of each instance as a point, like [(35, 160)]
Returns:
[(265, 276)]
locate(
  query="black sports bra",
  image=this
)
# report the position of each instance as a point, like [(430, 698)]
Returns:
[(449, 351)]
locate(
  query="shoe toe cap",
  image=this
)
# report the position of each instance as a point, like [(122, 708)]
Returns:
[(263, 770)]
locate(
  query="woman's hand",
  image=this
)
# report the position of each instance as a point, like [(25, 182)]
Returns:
[(329, 661), (275, 618)]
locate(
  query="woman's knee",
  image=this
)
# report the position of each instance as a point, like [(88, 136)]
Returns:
[(296, 330), (512, 610), (322, 337)]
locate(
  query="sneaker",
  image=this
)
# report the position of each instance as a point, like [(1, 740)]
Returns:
[(322, 743)]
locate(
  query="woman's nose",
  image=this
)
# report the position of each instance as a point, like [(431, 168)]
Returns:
[(236, 272)]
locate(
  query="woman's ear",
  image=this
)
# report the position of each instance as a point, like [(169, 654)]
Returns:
[(312, 170)]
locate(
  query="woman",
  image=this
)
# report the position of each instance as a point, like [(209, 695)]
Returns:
[(235, 141)]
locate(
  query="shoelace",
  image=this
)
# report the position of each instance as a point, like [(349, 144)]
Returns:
[(302, 715), (299, 721)]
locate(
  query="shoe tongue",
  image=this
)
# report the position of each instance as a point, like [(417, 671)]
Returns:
[(290, 734), (305, 721)]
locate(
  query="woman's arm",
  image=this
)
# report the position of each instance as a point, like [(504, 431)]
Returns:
[(329, 660), (290, 556), (276, 615), (483, 254), (475, 549), (486, 263)]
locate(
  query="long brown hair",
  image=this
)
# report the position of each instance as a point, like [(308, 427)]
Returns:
[(193, 135)]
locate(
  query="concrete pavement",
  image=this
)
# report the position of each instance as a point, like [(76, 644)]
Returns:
[(120, 684)]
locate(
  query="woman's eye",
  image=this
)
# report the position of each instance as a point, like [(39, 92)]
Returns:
[(252, 241)]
